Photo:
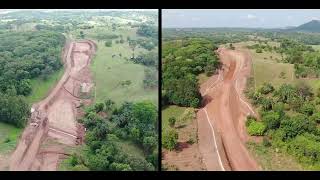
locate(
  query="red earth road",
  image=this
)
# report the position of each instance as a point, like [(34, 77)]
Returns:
[(226, 109)]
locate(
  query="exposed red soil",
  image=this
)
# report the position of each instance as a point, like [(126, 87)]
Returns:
[(54, 118), (226, 109), (186, 157)]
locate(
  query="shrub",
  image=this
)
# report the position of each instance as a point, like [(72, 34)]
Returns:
[(271, 120), (249, 120), (266, 104), (317, 100), (172, 121), (258, 50), (306, 148), (256, 128), (73, 160), (316, 117), (108, 43), (297, 125), (307, 109), (80, 167), (7, 140), (170, 139), (279, 108), (266, 88), (98, 107), (266, 142), (282, 75)]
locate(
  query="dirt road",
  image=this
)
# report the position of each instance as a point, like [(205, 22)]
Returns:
[(225, 109), (53, 128)]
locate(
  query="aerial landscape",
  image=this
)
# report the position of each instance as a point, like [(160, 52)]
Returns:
[(240, 90), (79, 90)]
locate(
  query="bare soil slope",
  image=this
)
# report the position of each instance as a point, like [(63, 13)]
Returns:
[(53, 127)]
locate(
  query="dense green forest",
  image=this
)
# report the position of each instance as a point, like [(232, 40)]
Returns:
[(24, 56), (136, 122), (182, 61)]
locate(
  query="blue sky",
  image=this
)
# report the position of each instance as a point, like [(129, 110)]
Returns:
[(264, 18)]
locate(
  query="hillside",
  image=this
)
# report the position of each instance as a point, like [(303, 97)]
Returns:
[(312, 26)]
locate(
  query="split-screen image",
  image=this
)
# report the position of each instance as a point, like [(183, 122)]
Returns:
[(159, 90)]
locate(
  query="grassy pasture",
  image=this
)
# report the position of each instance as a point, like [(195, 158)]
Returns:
[(109, 72)]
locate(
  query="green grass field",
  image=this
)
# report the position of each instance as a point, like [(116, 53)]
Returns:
[(265, 71), (316, 47), (272, 160), (110, 72), (8, 137), (41, 88)]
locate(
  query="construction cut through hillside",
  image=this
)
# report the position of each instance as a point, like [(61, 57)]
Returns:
[(53, 127), (221, 120)]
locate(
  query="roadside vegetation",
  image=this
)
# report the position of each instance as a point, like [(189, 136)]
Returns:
[(125, 140), (182, 62), (185, 62), (289, 120)]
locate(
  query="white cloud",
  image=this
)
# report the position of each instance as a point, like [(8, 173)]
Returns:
[(315, 18), (250, 16), (195, 19)]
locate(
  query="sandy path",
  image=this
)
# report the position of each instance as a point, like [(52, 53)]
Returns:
[(227, 109), (54, 118)]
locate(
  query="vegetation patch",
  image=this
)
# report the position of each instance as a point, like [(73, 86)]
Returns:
[(183, 61)]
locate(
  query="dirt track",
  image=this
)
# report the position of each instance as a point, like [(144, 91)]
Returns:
[(53, 127), (225, 111)]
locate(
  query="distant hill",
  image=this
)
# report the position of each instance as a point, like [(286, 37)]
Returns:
[(312, 26)]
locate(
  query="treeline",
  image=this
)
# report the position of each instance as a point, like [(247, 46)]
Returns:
[(304, 58), (148, 31), (289, 120), (151, 61), (302, 37), (23, 56), (135, 122), (150, 34), (216, 35), (183, 60), (261, 47)]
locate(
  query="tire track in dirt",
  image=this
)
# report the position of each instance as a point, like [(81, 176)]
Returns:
[(54, 118), (227, 110)]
